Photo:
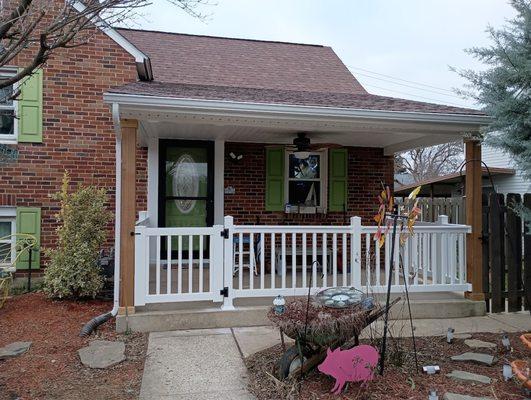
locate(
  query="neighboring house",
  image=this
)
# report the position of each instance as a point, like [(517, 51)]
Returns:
[(191, 129), (498, 170)]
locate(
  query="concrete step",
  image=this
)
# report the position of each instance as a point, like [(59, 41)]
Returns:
[(152, 319)]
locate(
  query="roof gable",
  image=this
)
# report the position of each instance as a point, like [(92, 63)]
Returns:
[(207, 60)]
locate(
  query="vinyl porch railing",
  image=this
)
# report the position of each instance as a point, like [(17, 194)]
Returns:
[(226, 262)]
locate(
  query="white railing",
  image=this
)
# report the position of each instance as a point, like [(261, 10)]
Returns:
[(237, 261)]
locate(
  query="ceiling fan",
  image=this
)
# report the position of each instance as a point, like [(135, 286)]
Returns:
[(302, 146)]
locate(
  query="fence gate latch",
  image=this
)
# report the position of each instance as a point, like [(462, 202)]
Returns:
[(224, 292), (225, 233)]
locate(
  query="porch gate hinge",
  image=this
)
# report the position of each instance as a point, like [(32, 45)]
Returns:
[(224, 292), (225, 233)]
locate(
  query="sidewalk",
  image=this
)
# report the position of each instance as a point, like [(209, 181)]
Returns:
[(207, 364)]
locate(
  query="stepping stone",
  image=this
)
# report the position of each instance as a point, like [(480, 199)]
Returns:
[(462, 336), (102, 354), (14, 349), (480, 358), (468, 376), (477, 344), (456, 396)]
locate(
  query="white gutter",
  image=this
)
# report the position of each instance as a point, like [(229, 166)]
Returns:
[(139, 102), (117, 207)]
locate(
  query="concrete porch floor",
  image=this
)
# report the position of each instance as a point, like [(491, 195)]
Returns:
[(252, 312)]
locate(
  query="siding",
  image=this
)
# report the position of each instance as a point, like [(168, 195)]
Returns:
[(508, 183)]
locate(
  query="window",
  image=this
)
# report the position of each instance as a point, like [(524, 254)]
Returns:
[(7, 240), (306, 182), (7, 110)]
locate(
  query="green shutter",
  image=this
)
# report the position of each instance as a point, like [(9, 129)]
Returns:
[(337, 189), (274, 179), (29, 222), (30, 109)]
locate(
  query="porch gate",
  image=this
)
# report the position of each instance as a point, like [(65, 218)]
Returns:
[(227, 262)]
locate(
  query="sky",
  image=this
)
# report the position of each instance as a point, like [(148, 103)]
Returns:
[(412, 40)]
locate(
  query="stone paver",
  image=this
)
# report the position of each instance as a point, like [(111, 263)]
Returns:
[(468, 376), (456, 396), (479, 358), (479, 344), (102, 354), (462, 336), (257, 338), (196, 364), (14, 349)]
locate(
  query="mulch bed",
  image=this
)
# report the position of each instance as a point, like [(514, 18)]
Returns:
[(400, 380), (51, 368)]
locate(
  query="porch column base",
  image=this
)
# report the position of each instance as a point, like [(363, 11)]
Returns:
[(475, 296), (126, 310)]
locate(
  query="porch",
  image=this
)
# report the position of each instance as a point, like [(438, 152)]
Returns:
[(248, 244)]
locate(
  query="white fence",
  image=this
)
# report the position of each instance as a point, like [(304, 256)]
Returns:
[(222, 263)]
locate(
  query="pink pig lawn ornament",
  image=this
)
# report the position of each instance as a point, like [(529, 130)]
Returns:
[(354, 365)]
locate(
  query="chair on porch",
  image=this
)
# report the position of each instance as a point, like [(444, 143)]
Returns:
[(246, 252)]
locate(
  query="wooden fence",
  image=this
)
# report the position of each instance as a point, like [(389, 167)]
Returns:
[(506, 254), (453, 207)]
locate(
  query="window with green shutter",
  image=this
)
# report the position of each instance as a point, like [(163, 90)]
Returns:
[(29, 222), (337, 188), (30, 109), (274, 200)]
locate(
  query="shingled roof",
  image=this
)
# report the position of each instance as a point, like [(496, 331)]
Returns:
[(243, 70)]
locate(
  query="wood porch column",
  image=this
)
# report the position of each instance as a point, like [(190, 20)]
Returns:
[(128, 216), (473, 205)]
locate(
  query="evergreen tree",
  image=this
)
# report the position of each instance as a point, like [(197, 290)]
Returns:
[(503, 88)]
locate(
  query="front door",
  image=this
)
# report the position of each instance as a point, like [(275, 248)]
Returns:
[(186, 195)]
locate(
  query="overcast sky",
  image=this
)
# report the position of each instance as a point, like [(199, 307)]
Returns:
[(414, 40)]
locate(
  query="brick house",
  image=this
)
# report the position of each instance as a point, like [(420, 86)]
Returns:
[(189, 130)]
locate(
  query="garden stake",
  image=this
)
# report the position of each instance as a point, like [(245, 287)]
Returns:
[(282, 340), (306, 322), (410, 318)]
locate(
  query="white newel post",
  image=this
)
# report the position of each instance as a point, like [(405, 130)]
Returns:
[(355, 250), (443, 249), (227, 264), (141, 265), (217, 261)]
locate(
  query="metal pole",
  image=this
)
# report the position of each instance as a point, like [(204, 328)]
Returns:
[(29, 268), (386, 319)]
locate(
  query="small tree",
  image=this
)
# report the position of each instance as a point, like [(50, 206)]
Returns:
[(429, 162), (72, 271)]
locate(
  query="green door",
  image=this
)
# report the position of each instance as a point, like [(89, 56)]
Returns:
[(186, 180)]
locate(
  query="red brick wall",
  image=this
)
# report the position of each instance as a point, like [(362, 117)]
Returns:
[(78, 133), (367, 168)]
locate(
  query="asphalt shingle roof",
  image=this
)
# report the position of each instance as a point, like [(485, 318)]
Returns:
[(213, 68)]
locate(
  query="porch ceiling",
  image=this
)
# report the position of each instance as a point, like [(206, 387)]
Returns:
[(271, 123)]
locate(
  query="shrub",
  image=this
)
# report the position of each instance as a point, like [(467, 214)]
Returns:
[(72, 271)]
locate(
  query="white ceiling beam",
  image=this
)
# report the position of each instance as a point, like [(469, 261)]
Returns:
[(424, 141)]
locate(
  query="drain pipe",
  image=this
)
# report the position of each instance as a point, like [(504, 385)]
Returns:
[(89, 327)]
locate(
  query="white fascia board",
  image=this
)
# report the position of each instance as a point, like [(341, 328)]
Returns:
[(139, 56), (315, 112)]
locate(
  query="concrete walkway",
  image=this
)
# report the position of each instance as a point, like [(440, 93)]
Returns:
[(199, 364), (207, 364)]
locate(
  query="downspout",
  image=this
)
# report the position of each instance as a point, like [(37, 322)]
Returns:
[(89, 327)]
